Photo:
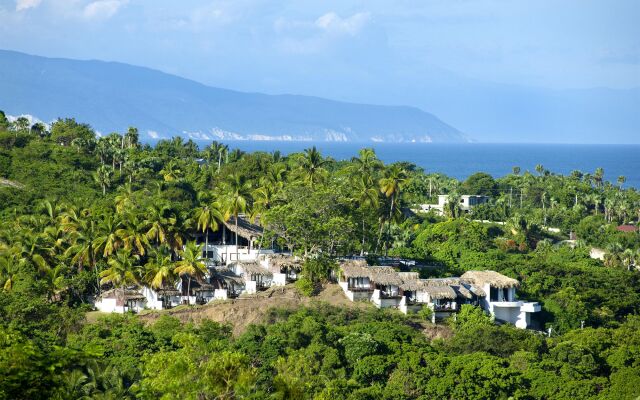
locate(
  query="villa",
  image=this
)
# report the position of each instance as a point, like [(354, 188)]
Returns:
[(254, 275), (501, 300), (467, 203), (387, 288), (120, 301), (285, 268)]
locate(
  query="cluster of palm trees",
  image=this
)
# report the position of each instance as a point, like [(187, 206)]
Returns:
[(121, 246), (618, 256)]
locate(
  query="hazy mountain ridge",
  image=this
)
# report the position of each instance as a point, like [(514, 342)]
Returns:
[(111, 96)]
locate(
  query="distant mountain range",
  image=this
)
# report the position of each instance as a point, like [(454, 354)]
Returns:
[(112, 96)]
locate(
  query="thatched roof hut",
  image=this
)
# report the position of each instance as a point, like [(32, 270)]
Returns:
[(382, 275), (251, 268), (440, 292), (278, 262), (354, 269), (245, 228), (385, 276), (120, 295), (495, 279)]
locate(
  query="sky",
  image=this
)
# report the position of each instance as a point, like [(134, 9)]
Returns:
[(377, 51)]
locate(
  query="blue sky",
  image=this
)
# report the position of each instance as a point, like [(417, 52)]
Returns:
[(368, 51)]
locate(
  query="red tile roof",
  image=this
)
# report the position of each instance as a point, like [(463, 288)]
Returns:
[(627, 228)]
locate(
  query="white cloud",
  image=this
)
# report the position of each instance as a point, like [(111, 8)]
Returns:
[(102, 8), (153, 134), (333, 23), (26, 4)]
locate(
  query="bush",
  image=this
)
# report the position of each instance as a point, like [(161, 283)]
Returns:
[(305, 287)]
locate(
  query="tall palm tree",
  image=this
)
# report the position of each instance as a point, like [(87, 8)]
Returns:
[(391, 185), (367, 198), (311, 166), (158, 219), (103, 176), (190, 264), (236, 198), (133, 235), (598, 176), (159, 269), (208, 217), (84, 236), (108, 239), (122, 271), (366, 164)]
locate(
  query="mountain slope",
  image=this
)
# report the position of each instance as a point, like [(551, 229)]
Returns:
[(112, 96)]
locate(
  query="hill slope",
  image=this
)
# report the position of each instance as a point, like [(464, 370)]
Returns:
[(112, 96)]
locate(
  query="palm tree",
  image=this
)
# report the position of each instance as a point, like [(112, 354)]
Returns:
[(516, 170), (236, 198), (133, 235), (540, 169), (171, 171), (311, 166), (157, 222), (598, 177), (621, 181), (390, 186), (108, 240), (124, 198), (452, 207), (367, 197), (122, 271), (208, 217), (103, 176), (84, 236), (11, 263), (190, 264), (366, 164), (159, 269)]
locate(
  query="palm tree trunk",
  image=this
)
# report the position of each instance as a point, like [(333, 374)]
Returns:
[(189, 291), (237, 250), (362, 249), (124, 301), (386, 246)]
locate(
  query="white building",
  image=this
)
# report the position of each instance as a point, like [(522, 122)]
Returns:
[(255, 276), (386, 288), (500, 300), (467, 203), (120, 300), (285, 268)]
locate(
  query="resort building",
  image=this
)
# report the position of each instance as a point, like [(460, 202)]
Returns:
[(467, 203), (219, 247), (255, 276), (386, 288), (285, 268), (500, 299), (161, 299), (120, 301)]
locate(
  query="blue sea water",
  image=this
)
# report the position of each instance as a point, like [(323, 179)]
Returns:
[(461, 160)]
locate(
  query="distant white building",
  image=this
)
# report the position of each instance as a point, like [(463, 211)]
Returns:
[(467, 203)]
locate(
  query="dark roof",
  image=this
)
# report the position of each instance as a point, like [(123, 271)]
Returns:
[(246, 229)]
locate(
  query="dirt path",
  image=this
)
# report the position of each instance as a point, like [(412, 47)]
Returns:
[(252, 309)]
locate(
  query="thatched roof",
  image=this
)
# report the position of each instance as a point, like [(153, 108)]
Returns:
[(354, 269), (223, 273), (246, 229), (168, 291), (384, 276), (440, 292), (279, 261), (480, 278), (129, 294), (409, 275), (252, 268), (379, 274)]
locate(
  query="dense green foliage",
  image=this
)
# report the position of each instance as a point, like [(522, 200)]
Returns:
[(78, 213)]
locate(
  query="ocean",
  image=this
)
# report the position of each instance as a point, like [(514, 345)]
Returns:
[(461, 160)]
